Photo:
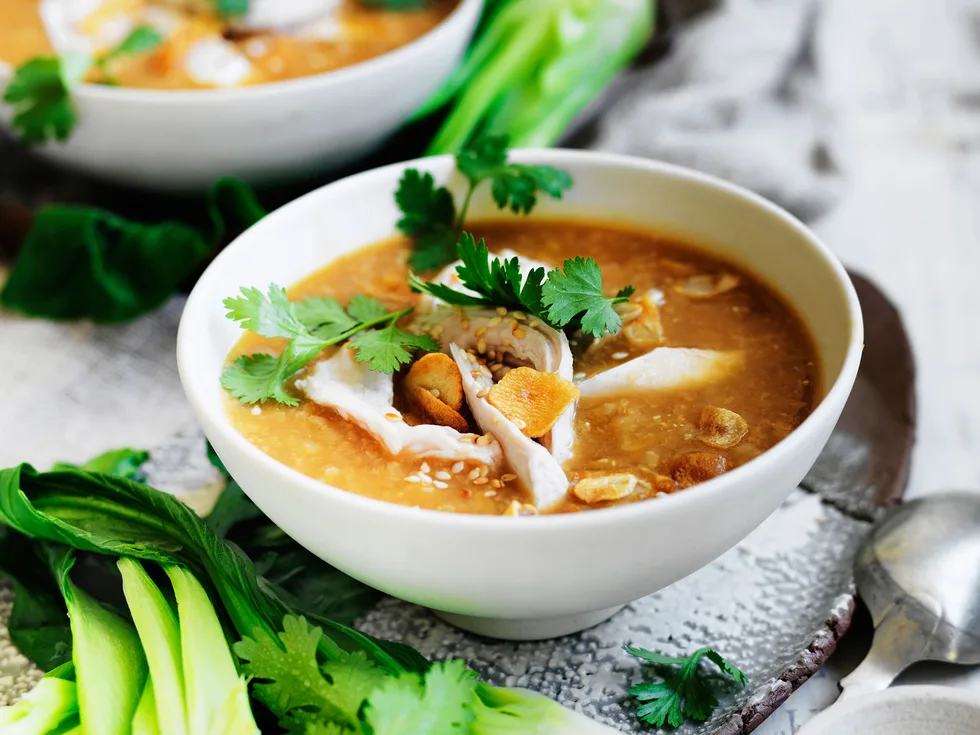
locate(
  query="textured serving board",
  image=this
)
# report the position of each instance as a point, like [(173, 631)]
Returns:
[(776, 604)]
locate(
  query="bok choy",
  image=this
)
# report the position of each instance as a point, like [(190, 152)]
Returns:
[(535, 65)]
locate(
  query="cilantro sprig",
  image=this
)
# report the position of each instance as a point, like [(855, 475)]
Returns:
[(429, 213), (40, 89), (348, 693), (569, 297), (685, 694), (310, 326)]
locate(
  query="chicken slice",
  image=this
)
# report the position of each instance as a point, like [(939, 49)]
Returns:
[(533, 464), (513, 343), (365, 397), (662, 368)]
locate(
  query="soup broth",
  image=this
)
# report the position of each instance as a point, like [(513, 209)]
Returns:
[(665, 438), (351, 33)]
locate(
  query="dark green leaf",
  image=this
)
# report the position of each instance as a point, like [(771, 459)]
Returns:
[(232, 207), (126, 463), (40, 93), (482, 158), (425, 208), (574, 293)]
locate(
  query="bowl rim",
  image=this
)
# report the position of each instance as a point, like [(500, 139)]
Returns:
[(837, 392), (454, 22)]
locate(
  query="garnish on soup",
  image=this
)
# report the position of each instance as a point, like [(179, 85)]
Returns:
[(430, 215), (310, 326)]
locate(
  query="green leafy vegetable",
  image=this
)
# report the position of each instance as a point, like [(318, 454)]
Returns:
[(571, 297), (82, 263), (440, 702), (145, 721), (118, 517), (40, 93), (109, 664), (126, 463), (534, 66), (429, 213), (232, 8), (50, 706), (160, 637), (310, 327), (682, 695), (141, 40)]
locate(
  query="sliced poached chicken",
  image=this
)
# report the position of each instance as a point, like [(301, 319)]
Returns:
[(660, 369), (533, 464), (366, 397)]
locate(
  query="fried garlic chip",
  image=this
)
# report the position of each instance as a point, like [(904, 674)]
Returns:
[(721, 428), (704, 287), (433, 411), (532, 399), (604, 487), (437, 373), (690, 469)]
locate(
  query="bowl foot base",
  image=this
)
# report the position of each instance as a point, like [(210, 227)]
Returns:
[(532, 629)]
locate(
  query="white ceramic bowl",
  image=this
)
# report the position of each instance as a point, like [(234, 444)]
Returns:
[(184, 140), (903, 710), (550, 575)]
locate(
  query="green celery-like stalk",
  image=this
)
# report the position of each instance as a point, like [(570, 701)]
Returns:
[(535, 66), (146, 720), (157, 626), (216, 696), (110, 668)]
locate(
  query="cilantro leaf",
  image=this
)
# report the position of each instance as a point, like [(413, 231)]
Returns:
[(141, 40), (310, 326), (429, 214), (571, 299), (437, 705), (684, 694), (365, 309), (40, 93), (573, 295), (287, 677), (387, 349)]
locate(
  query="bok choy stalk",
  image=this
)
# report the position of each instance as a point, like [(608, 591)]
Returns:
[(535, 65), (51, 705), (110, 668), (146, 719)]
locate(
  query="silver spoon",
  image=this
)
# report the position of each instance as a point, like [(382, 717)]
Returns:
[(919, 574)]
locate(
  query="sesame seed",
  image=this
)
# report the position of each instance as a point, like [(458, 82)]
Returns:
[(620, 355), (483, 393), (443, 475), (475, 374), (489, 493), (457, 468), (465, 324), (496, 483), (520, 424), (484, 441), (474, 473), (412, 478), (467, 438), (437, 330), (426, 480), (579, 376), (495, 321), (256, 411), (484, 470), (481, 331), (535, 323), (425, 467), (440, 485), (480, 481), (508, 477), (507, 343), (502, 311), (393, 417), (520, 316), (435, 392), (481, 346), (520, 333), (513, 325)]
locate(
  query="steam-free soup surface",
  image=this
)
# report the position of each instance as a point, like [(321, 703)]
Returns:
[(650, 433), (347, 34)]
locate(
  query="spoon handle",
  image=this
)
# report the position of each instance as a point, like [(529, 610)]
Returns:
[(900, 640)]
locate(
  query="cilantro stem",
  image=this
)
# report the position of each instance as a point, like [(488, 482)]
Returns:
[(387, 318), (466, 205)]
